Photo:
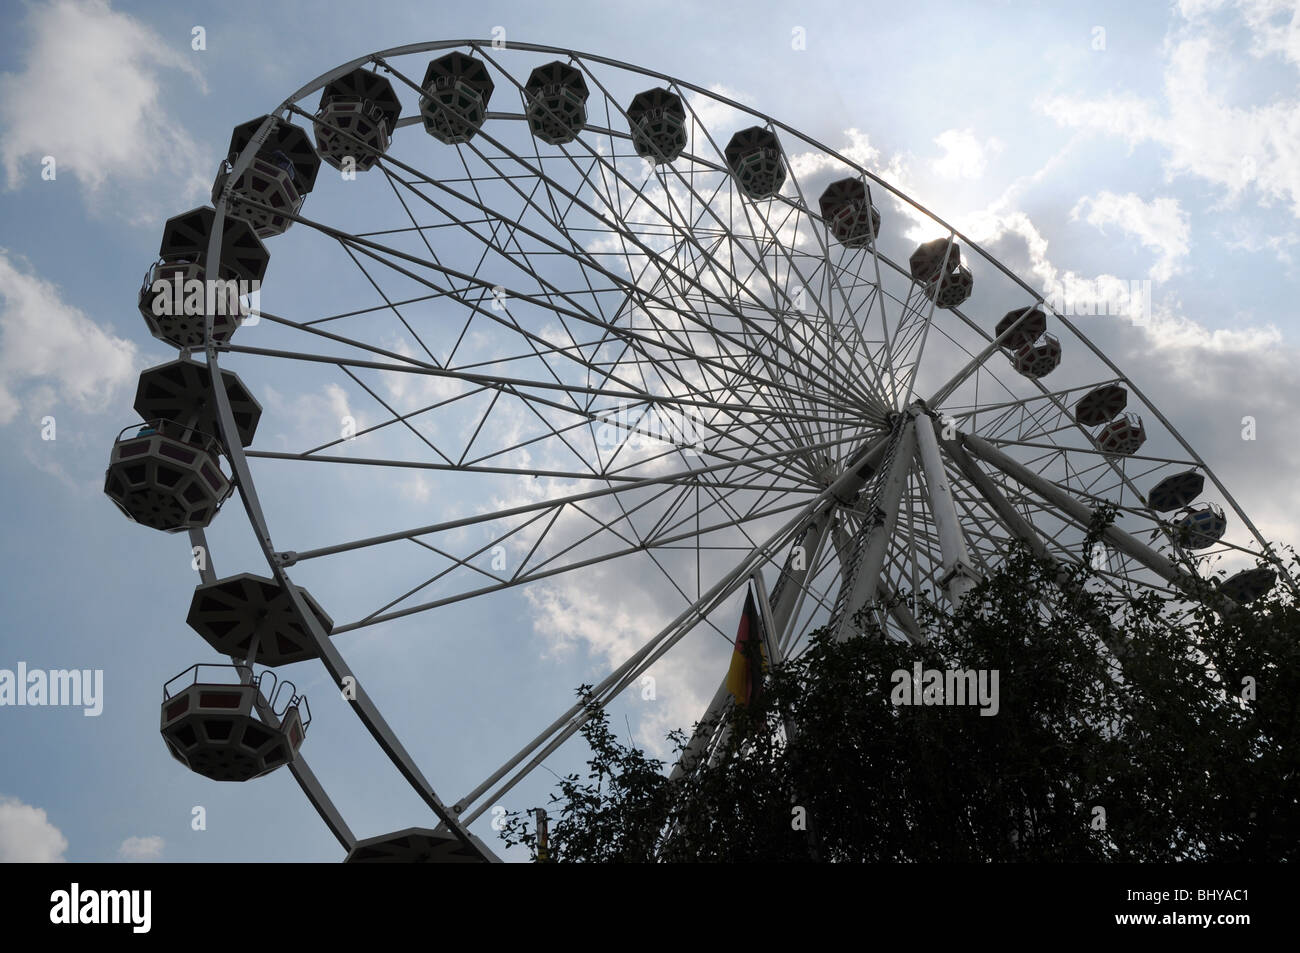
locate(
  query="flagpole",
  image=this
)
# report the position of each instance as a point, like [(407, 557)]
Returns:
[(769, 625), (791, 733), (860, 468)]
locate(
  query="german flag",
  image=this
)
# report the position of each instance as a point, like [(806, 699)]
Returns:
[(745, 677)]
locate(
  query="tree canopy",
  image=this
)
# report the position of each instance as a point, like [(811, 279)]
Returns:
[(1122, 731)]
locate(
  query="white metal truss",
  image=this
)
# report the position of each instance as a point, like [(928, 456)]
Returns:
[(613, 295)]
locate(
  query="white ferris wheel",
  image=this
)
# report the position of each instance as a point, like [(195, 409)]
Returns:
[(647, 327)]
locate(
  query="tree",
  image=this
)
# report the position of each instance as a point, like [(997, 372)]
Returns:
[(1126, 729)]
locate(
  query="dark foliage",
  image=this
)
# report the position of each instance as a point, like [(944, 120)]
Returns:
[(1123, 732)]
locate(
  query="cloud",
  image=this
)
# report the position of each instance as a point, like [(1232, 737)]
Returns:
[(1250, 240), (52, 353), (410, 392), (576, 610), (1262, 19), (716, 118), (1168, 328), (1271, 36), (141, 848), (90, 95), (27, 836), (1160, 225), (417, 488), (965, 157), (1201, 132), (857, 148), (1206, 379), (313, 417)]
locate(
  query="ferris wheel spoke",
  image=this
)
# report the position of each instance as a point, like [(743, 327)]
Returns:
[(717, 422), (915, 363), (457, 563), (387, 301), (764, 236), (462, 522), (495, 228), (644, 544), (514, 386), (549, 573), (635, 542), (585, 256), (969, 414), (1049, 545), (356, 312), (373, 249), (1078, 512), (624, 675), (695, 545), (1117, 468), (1119, 578), (816, 599), (587, 263), (743, 373), (501, 470), (397, 417), (1094, 451), (720, 501), (611, 173), (876, 398), (853, 367)]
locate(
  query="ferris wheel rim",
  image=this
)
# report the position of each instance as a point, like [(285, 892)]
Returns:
[(377, 58), (258, 520)]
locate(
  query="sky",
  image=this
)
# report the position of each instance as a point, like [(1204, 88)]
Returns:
[(1079, 143)]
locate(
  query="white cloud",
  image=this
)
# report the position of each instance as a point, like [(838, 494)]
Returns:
[(601, 612), (27, 836), (1249, 240), (857, 148), (1262, 18), (716, 118), (1167, 328), (1202, 133), (313, 417), (1271, 36), (964, 156), (52, 353), (1170, 330), (410, 392), (338, 401), (90, 96), (1160, 225), (417, 488), (141, 848)]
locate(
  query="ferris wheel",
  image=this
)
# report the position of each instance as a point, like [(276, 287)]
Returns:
[(615, 326)]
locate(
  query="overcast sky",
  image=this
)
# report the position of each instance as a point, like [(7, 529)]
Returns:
[(1077, 142)]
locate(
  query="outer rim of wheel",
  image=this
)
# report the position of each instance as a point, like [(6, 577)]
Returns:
[(235, 450)]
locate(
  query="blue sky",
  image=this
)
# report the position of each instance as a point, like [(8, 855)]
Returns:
[(1075, 142)]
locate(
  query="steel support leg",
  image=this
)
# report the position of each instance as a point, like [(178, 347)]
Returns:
[(1079, 512), (866, 577), (959, 576)]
